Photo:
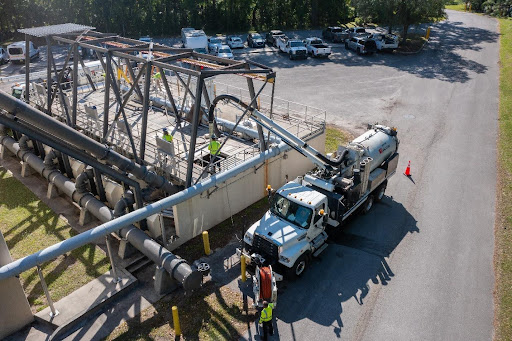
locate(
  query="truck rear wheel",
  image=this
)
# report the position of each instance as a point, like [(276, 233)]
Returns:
[(368, 204), (299, 267), (379, 193)]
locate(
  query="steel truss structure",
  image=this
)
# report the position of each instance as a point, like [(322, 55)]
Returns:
[(113, 50)]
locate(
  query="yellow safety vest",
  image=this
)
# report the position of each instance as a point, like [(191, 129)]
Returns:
[(266, 313), (214, 147), (157, 75), (167, 137)]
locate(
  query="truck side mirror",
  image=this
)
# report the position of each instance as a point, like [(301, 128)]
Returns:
[(269, 192)]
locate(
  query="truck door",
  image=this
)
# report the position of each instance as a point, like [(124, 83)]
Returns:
[(317, 224)]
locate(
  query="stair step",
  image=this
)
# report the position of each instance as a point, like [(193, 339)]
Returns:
[(320, 250)]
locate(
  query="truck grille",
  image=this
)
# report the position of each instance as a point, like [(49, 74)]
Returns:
[(268, 249), (300, 53)]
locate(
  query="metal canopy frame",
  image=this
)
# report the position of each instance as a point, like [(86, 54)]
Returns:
[(160, 57)]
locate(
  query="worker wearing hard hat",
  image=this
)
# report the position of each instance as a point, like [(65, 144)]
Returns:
[(266, 319), (167, 137), (214, 148)]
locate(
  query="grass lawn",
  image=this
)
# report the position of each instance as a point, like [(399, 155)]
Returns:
[(503, 233), (334, 137), (456, 7), (28, 226)]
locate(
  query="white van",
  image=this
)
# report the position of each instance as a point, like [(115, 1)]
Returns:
[(194, 39), (16, 51)]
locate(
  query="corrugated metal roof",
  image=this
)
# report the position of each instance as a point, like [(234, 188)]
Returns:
[(45, 31)]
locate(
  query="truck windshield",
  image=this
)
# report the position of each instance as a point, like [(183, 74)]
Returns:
[(291, 211), (296, 44), (316, 42), (215, 41)]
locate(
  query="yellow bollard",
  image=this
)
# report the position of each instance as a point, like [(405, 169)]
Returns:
[(206, 242), (242, 263), (427, 36), (176, 320)]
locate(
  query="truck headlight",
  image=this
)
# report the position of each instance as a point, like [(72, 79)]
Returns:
[(284, 259), (248, 238)]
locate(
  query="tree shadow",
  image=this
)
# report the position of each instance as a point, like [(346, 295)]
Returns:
[(356, 255), (441, 59)]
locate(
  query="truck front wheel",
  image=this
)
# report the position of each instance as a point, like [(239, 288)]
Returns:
[(368, 204), (299, 267)]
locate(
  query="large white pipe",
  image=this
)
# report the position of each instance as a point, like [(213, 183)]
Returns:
[(51, 252)]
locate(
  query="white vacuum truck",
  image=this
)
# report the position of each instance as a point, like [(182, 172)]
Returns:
[(293, 230)]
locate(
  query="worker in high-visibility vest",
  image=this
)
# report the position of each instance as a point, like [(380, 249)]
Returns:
[(214, 148), (158, 78), (266, 319), (167, 137)]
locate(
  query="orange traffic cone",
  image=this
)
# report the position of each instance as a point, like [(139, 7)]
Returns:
[(408, 170)]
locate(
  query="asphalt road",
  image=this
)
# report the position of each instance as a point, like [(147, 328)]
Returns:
[(419, 266)]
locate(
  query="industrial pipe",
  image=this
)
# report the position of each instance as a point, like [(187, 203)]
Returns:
[(70, 151), (53, 127), (177, 267), (166, 258)]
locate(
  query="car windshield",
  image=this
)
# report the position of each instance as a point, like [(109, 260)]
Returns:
[(360, 30), (336, 30), (291, 211), (200, 50), (237, 40), (256, 36), (215, 41), (296, 44), (224, 50)]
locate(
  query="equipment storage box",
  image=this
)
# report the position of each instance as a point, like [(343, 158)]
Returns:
[(376, 177), (390, 166)]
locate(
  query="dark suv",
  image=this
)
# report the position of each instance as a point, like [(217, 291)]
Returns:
[(335, 34), (255, 40), (361, 45)]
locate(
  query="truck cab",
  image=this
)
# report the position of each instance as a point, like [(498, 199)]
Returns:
[(291, 230)]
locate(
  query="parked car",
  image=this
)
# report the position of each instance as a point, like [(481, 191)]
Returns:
[(385, 42), (214, 43), (293, 47), (255, 40), (317, 48), (4, 57), (356, 31), (235, 42), (272, 36), (16, 51), (224, 51), (362, 45), (335, 34), (146, 39)]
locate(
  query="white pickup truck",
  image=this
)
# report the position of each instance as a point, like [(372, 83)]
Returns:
[(293, 47), (317, 48), (385, 41)]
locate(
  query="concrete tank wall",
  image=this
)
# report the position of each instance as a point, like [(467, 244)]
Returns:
[(208, 209)]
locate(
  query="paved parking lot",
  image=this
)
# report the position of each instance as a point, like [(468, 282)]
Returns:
[(419, 266)]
